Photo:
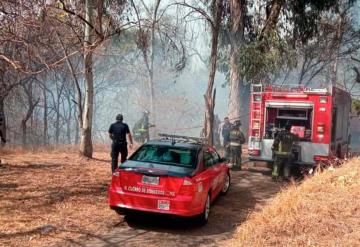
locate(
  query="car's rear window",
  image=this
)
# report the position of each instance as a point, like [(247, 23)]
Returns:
[(166, 155)]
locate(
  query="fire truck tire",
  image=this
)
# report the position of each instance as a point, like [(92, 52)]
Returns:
[(339, 153)]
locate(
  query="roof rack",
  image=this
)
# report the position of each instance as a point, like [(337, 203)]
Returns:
[(182, 138)]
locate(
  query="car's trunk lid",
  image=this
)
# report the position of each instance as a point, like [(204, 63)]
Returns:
[(153, 179)]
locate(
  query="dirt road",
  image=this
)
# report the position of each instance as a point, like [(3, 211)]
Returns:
[(251, 188)]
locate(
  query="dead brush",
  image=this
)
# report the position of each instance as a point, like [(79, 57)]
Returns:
[(324, 210)]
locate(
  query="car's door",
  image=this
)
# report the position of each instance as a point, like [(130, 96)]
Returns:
[(208, 174), (218, 171)]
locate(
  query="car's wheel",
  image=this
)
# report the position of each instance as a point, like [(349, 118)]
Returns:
[(119, 211), (204, 216), (227, 184)]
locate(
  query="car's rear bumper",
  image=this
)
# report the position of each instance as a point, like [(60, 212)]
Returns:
[(179, 205)]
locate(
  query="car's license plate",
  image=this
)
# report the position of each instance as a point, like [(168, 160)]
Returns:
[(150, 180), (164, 204)]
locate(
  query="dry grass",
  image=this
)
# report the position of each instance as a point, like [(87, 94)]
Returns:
[(51, 195), (322, 211)]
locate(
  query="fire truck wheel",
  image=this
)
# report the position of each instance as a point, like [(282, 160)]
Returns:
[(339, 153)]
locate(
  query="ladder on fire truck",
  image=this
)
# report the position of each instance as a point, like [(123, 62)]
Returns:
[(256, 112)]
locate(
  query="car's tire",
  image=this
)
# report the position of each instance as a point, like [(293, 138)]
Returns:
[(119, 211), (227, 184), (203, 218)]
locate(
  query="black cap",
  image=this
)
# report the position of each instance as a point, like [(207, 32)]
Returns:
[(119, 117)]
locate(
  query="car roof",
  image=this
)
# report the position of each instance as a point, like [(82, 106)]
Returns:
[(175, 143)]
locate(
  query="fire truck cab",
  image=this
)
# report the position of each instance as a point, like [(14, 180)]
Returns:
[(320, 117)]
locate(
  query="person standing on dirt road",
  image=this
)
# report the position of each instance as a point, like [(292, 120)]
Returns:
[(118, 132), (225, 132), (237, 138), (282, 148)]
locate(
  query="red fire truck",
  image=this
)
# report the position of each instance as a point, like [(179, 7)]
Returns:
[(320, 117)]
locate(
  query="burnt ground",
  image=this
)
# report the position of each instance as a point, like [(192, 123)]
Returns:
[(251, 189)]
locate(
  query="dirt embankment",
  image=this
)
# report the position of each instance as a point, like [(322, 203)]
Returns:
[(322, 211)]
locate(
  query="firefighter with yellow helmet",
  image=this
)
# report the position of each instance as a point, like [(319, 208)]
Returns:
[(141, 128), (236, 139)]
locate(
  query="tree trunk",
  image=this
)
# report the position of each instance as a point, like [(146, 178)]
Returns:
[(78, 95), (57, 123), (2, 121), (23, 132), (210, 92), (45, 118), (235, 109), (28, 115), (76, 141), (86, 148), (151, 70), (272, 18), (68, 122)]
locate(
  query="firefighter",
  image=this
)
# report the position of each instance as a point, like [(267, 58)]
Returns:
[(282, 150), (141, 128), (118, 132), (236, 138), (225, 132)]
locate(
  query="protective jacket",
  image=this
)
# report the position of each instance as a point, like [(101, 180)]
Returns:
[(284, 141), (236, 137)]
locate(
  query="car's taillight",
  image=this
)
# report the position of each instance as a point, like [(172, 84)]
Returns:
[(187, 187), (187, 182), (116, 179)]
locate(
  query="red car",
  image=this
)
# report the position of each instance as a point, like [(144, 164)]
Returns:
[(174, 176)]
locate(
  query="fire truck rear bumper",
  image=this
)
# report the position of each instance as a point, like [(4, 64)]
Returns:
[(296, 163), (307, 152)]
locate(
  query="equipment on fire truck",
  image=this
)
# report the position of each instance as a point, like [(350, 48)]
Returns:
[(319, 117)]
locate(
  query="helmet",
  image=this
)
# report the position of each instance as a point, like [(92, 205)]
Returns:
[(119, 117), (237, 122), (146, 112)]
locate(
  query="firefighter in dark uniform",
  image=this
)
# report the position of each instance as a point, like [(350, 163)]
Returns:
[(237, 138), (282, 150), (118, 132)]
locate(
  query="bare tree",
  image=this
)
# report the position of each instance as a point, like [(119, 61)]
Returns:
[(32, 103)]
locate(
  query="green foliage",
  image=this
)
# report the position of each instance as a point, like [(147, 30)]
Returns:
[(356, 106), (257, 63), (260, 60)]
